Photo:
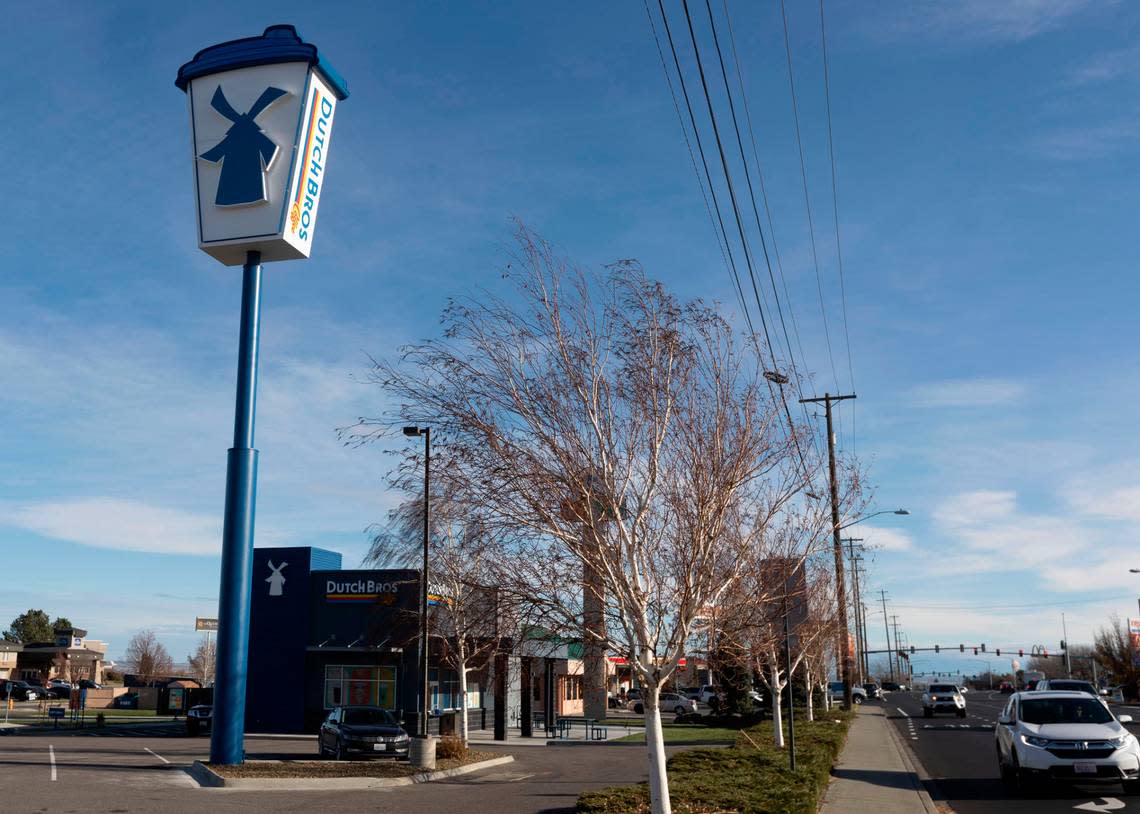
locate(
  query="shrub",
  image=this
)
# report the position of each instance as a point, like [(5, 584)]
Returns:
[(451, 748)]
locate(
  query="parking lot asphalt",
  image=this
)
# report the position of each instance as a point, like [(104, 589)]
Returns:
[(135, 772)]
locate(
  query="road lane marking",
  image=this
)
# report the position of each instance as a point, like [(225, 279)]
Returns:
[(156, 754), (900, 709), (1108, 804), (51, 757)]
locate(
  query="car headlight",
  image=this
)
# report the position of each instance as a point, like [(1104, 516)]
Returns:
[(1122, 741), (1033, 740)]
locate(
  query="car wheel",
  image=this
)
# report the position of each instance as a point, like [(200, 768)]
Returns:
[(857, 700), (1004, 771), (679, 711), (320, 747)]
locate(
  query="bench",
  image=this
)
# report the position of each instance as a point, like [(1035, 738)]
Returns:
[(592, 726)]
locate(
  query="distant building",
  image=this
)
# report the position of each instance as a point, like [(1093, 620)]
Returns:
[(71, 657), (9, 655)]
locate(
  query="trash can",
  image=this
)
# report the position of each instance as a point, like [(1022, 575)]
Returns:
[(421, 753)]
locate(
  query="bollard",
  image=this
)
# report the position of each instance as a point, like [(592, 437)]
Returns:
[(421, 753)]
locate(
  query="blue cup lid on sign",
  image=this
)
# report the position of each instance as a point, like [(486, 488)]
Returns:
[(279, 43)]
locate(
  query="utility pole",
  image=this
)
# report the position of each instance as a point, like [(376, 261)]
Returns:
[(860, 642), (898, 664), (886, 627), (1065, 633), (837, 545)]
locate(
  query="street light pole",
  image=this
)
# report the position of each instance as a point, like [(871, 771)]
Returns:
[(425, 699), (860, 643), (837, 545)]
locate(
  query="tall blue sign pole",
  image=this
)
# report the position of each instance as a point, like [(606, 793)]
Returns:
[(261, 114), (226, 738)]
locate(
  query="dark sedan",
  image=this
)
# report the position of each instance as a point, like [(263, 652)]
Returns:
[(199, 717), (21, 691), (362, 731)]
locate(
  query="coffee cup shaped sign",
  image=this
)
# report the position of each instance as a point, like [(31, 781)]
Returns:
[(261, 116)]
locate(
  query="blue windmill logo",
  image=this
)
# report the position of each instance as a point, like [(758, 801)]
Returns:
[(245, 152)]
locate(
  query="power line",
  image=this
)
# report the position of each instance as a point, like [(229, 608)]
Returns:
[(752, 196), (720, 241), (704, 160), (835, 204), (807, 197), (739, 220)]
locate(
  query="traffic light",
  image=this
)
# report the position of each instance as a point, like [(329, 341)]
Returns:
[(1063, 645), (936, 650), (983, 647), (961, 648), (912, 649), (1020, 653), (975, 651), (997, 652), (1045, 652)]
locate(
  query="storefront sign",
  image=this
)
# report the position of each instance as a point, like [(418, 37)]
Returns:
[(361, 590), (201, 623)]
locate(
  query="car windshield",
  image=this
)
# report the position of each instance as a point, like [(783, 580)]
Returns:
[(1074, 686), (948, 688), (1064, 711), (374, 717)]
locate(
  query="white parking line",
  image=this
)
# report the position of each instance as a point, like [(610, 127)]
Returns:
[(156, 754), (51, 757), (902, 712)]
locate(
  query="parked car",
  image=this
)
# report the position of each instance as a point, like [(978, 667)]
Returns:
[(362, 730), (1067, 685), (703, 694), (88, 684), (199, 717), (943, 698), (1064, 736), (1005, 688), (58, 689), (127, 701), (668, 702), (21, 691), (873, 690), (835, 689)]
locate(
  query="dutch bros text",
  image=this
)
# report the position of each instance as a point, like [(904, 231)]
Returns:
[(310, 175)]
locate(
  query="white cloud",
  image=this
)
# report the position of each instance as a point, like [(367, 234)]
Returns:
[(125, 525), (980, 392), (1105, 67), (980, 20), (887, 539)]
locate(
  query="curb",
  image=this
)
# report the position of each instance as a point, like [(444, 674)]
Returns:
[(915, 767), (208, 778)]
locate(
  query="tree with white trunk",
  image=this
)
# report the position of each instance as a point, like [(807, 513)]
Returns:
[(606, 428)]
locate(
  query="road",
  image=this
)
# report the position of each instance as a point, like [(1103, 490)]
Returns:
[(126, 771), (960, 758)]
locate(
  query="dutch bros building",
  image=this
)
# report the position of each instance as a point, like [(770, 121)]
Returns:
[(322, 636)]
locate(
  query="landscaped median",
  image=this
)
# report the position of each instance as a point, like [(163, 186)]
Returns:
[(299, 775), (751, 776)]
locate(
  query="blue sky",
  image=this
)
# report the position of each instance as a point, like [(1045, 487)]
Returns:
[(987, 165)]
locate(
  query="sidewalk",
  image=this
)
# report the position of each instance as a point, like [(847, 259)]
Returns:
[(875, 772)]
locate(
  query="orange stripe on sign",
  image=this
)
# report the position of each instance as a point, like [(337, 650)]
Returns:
[(308, 147)]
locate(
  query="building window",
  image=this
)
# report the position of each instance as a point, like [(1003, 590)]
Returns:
[(573, 688), (356, 684), (444, 688)]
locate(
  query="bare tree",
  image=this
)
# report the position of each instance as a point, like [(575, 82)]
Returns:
[(1115, 652), (204, 661), (613, 432), (148, 657), (470, 619)]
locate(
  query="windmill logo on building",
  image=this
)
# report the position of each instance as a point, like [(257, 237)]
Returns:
[(245, 152), (275, 579)]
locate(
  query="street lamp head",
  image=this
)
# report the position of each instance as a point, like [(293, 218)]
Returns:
[(1134, 570), (902, 511), (412, 432)]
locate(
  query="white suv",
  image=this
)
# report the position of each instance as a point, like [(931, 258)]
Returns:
[(943, 698), (1064, 736)]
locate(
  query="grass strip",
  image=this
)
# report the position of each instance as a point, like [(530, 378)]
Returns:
[(751, 777)]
